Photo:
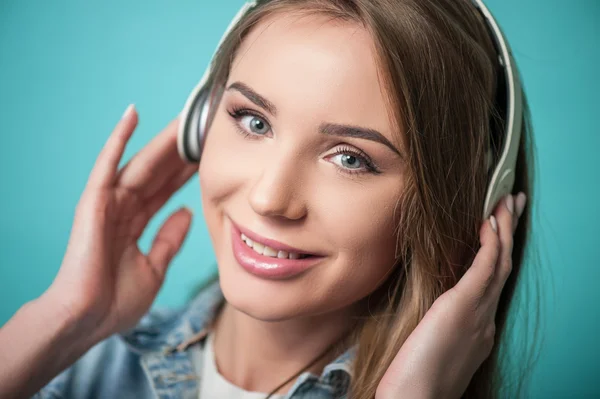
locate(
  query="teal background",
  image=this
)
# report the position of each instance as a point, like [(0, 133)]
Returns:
[(68, 69)]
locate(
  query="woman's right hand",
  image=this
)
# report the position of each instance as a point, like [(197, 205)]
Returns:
[(105, 283)]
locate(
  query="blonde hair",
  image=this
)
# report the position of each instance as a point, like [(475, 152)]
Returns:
[(438, 65)]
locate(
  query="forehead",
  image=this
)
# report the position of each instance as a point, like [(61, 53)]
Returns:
[(312, 64)]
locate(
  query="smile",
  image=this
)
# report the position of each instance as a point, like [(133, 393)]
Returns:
[(269, 259), (262, 249)]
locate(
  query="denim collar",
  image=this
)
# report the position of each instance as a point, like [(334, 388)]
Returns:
[(161, 340)]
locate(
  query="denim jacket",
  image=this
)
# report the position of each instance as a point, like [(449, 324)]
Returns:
[(152, 360)]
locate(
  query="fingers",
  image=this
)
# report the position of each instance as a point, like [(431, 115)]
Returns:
[(105, 169), (155, 164), (475, 282), (168, 241), (507, 213), (170, 188), (153, 204), (482, 284), (504, 214), (520, 202)]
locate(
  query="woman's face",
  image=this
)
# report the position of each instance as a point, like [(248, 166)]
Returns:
[(302, 154)]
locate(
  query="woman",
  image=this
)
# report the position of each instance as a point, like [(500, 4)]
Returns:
[(342, 184)]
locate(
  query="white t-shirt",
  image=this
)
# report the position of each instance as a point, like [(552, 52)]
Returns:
[(212, 384)]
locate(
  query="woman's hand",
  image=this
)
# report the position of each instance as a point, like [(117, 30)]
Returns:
[(456, 335), (105, 284)]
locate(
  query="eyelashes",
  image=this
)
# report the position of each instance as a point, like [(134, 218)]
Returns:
[(344, 155), (238, 114), (347, 154)]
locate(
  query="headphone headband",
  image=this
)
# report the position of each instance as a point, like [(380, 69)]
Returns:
[(503, 175), (194, 117)]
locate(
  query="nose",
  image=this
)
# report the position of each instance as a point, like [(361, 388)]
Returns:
[(278, 191)]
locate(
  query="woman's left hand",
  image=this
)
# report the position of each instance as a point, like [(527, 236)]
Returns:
[(456, 335)]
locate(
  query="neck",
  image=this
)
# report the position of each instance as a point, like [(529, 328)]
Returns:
[(259, 355)]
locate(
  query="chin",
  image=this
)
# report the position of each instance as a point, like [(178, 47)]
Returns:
[(265, 300)]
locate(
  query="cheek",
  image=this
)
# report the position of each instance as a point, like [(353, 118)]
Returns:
[(362, 230), (361, 218)]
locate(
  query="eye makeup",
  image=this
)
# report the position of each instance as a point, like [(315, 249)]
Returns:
[(238, 113), (343, 151), (355, 153)]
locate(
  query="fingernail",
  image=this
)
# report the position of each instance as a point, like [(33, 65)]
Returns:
[(510, 203), (190, 210), (128, 111), (520, 203), (494, 223)]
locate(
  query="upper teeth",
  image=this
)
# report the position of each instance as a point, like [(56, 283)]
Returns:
[(268, 251)]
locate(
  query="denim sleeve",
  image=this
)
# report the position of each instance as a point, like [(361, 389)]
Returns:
[(108, 370)]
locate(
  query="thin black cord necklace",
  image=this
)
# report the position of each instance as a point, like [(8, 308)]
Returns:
[(312, 363)]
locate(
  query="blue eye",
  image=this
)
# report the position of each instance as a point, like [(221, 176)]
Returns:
[(348, 161), (254, 124), (353, 161), (249, 123)]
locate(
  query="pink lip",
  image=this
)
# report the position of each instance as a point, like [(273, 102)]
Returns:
[(266, 266), (271, 243)]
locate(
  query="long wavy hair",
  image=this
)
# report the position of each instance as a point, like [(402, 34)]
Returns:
[(438, 66)]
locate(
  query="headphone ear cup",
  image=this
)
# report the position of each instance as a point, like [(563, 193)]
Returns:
[(194, 117), (193, 126)]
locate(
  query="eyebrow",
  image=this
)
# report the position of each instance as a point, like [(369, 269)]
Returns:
[(357, 132), (254, 97), (331, 129)]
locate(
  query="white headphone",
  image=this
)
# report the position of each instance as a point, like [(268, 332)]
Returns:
[(194, 117)]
